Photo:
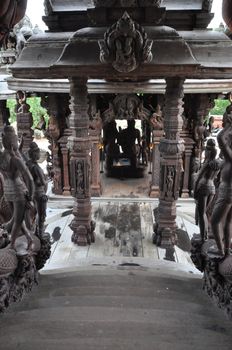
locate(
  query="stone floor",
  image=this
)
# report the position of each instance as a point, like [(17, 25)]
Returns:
[(124, 229)]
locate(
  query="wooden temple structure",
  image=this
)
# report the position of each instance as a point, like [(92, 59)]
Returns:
[(106, 60)]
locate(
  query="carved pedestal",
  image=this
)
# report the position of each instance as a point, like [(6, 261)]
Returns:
[(217, 272), (79, 145), (24, 128), (171, 149), (154, 187)]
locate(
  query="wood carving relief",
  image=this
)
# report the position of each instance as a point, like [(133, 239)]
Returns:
[(127, 3), (125, 45)]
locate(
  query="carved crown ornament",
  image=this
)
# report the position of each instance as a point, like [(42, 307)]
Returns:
[(125, 45)]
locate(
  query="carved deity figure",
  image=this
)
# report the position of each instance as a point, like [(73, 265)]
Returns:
[(80, 178), (204, 190), (23, 106), (40, 182), (199, 133), (221, 220), (125, 45), (18, 185), (170, 179)]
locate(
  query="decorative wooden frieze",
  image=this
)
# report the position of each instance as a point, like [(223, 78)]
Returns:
[(127, 3), (125, 45), (79, 145)]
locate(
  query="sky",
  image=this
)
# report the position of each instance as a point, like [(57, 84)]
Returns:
[(35, 11)]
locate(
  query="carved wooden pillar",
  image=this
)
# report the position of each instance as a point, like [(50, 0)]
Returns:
[(56, 106), (24, 121), (95, 167), (63, 141), (189, 145), (154, 186), (171, 150), (79, 144)]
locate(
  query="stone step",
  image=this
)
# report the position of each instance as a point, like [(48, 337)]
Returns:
[(116, 308)]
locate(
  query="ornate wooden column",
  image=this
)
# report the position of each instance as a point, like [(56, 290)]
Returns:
[(63, 142), (56, 106), (171, 150), (188, 145), (154, 186), (79, 144), (95, 128)]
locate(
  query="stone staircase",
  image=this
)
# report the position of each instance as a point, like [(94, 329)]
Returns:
[(125, 307)]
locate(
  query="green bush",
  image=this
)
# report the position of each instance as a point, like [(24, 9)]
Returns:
[(35, 109), (220, 107)]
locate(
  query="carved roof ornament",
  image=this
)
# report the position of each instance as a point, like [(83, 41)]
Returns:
[(125, 45), (127, 3), (207, 5)]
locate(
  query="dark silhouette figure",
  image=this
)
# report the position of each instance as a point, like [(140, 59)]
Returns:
[(205, 188), (127, 139), (110, 144)]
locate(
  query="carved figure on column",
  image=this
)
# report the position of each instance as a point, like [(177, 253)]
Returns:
[(170, 180), (125, 45), (40, 182), (221, 220), (204, 190), (16, 192), (80, 188)]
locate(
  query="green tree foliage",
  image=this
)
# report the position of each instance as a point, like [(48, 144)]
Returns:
[(220, 107), (35, 109)]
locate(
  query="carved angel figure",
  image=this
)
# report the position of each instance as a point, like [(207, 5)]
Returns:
[(18, 185), (221, 219)]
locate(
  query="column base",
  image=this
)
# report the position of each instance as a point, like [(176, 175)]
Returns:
[(66, 193), (96, 191), (185, 194), (154, 192), (83, 235)]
